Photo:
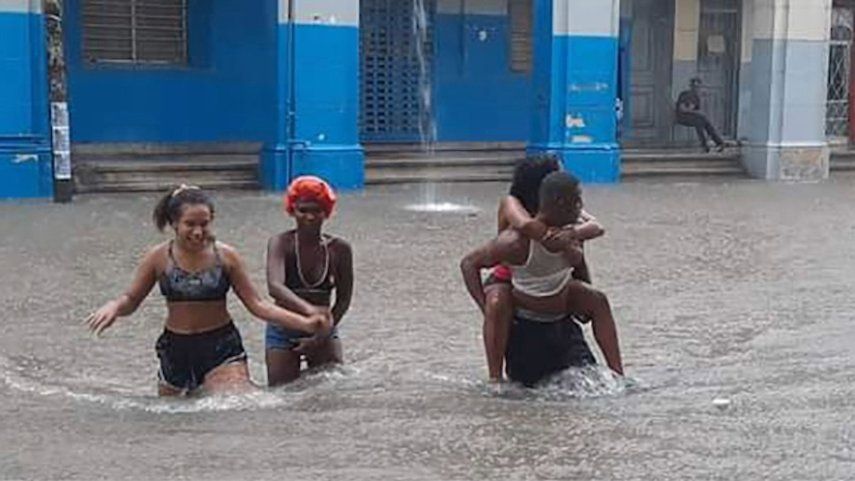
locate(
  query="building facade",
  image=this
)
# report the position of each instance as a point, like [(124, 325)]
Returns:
[(314, 81)]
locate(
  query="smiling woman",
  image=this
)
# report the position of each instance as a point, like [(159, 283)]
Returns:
[(200, 346)]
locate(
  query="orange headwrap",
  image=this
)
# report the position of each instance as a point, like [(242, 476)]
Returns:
[(309, 187)]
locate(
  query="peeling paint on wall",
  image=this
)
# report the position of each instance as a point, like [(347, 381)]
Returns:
[(804, 164), (574, 122), (21, 158), (588, 87)]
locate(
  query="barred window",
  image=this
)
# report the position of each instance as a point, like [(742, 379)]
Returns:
[(135, 31), (522, 21)]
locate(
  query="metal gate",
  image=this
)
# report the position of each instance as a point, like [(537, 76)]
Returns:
[(392, 76), (718, 62), (839, 68)]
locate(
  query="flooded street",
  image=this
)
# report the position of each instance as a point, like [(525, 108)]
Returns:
[(729, 290)]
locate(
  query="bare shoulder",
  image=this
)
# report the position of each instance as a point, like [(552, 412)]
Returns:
[(156, 256), (505, 203), (339, 245), (228, 253), (157, 250), (512, 245), (282, 236), (511, 238)]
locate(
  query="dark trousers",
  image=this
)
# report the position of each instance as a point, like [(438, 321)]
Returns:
[(537, 350), (702, 126)]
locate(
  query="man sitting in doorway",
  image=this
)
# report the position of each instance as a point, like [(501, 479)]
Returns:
[(689, 113)]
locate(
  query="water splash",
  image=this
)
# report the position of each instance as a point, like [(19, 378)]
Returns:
[(443, 207), (586, 382), (427, 120), (571, 384), (421, 34)]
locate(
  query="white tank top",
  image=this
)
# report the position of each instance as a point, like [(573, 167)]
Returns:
[(544, 274)]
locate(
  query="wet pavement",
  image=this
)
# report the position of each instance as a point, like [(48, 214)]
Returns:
[(724, 289)]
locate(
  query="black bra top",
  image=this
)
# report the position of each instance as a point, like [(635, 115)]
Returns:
[(295, 281), (178, 285)]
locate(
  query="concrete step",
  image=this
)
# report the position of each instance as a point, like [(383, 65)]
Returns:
[(371, 149), (392, 167), (499, 155), (208, 162), (842, 160), (138, 150), (679, 169), (505, 160), (117, 168), (631, 156), (174, 176), (456, 162), (161, 186), (407, 177)]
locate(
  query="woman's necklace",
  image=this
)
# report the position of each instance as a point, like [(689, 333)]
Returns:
[(323, 277)]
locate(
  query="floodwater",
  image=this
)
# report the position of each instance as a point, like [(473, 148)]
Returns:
[(733, 290)]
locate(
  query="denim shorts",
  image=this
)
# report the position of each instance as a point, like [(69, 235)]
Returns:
[(276, 337)]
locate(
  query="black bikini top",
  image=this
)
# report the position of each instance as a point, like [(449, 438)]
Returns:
[(296, 281), (178, 285)]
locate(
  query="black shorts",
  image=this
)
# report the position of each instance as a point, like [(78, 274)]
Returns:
[(539, 349), (185, 359)]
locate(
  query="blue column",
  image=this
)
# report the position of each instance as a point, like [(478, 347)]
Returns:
[(575, 85), (318, 96), (789, 68), (25, 159)]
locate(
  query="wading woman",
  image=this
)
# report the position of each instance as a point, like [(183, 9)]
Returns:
[(305, 270), (200, 348)]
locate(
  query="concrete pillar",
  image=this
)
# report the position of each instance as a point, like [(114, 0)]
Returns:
[(318, 95), (25, 158), (789, 66), (575, 85), (743, 123)]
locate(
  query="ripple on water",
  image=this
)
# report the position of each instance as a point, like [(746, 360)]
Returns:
[(33, 376)]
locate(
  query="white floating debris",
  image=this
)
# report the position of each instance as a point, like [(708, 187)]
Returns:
[(443, 207), (721, 403)]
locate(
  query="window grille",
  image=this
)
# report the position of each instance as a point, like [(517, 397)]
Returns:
[(837, 103), (522, 22), (135, 31)]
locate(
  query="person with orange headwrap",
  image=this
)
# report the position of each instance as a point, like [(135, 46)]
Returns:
[(304, 268)]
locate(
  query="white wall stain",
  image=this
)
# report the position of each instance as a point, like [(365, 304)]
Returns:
[(581, 139), (574, 122), (21, 158), (588, 87)]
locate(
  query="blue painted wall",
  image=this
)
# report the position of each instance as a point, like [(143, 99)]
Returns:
[(575, 82), (585, 89), (227, 93), (327, 104), (323, 137), (476, 95), (326, 141), (25, 160)]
